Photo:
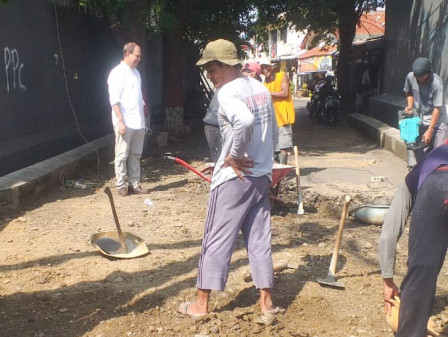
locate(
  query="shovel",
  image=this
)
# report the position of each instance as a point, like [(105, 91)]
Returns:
[(118, 244), (330, 279), (300, 210)]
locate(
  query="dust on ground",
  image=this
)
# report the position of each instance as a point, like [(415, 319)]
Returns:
[(54, 283)]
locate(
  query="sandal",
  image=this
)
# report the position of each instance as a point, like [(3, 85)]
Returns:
[(183, 309)]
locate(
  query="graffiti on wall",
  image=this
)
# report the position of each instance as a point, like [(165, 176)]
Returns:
[(13, 70)]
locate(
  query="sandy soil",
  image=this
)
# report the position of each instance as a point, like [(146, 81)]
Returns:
[(54, 283)]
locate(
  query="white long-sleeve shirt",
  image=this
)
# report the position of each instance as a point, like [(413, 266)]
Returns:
[(248, 128), (125, 89)]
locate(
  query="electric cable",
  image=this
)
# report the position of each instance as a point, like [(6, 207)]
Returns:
[(67, 90)]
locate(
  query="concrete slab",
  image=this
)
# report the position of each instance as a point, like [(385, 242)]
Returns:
[(384, 135)]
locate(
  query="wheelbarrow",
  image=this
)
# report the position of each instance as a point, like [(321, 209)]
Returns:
[(279, 172)]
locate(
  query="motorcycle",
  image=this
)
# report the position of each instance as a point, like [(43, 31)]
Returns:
[(324, 109)]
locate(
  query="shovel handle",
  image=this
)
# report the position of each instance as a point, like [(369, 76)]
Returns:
[(114, 212), (300, 209), (296, 157), (334, 257), (275, 269)]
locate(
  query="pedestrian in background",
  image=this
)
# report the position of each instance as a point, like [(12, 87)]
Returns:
[(211, 128), (252, 69), (277, 83), (239, 196), (128, 119), (424, 91), (294, 80)]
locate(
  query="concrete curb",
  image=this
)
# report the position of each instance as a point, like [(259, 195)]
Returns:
[(386, 136), (30, 181)]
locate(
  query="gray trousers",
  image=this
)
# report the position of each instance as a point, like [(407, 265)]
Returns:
[(438, 138), (233, 206), (128, 152), (284, 138), (214, 141)]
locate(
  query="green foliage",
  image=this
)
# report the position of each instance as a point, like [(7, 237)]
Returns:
[(321, 16), (115, 7), (197, 20)]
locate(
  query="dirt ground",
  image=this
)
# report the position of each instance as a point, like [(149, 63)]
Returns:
[(54, 283)]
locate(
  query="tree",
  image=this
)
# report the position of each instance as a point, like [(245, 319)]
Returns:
[(180, 23), (324, 17)]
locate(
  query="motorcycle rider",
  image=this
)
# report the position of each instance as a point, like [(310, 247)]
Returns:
[(325, 91)]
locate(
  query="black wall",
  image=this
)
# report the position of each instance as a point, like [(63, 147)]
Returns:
[(37, 120), (414, 28)]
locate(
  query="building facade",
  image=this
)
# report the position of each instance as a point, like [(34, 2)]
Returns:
[(413, 29)]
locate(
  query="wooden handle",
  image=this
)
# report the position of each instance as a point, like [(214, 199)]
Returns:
[(300, 209), (276, 268), (114, 212), (334, 258), (296, 157)]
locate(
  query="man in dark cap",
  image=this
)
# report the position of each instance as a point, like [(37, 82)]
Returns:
[(424, 90), (428, 242)]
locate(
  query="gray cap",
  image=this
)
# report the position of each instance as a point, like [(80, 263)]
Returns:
[(421, 67)]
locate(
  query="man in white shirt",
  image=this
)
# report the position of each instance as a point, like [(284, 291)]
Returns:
[(239, 197), (128, 119)]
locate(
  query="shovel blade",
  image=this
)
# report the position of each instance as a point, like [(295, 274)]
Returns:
[(108, 244), (331, 282)]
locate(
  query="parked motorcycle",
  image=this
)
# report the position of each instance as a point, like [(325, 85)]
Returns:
[(324, 109)]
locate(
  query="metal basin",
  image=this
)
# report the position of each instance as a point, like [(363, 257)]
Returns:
[(370, 214)]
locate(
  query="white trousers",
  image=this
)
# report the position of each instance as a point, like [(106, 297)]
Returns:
[(128, 152)]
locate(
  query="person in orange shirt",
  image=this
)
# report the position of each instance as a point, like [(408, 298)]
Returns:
[(277, 83)]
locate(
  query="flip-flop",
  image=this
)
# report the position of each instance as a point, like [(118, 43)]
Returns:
[(183, 309), (268, 317), (275, 310)]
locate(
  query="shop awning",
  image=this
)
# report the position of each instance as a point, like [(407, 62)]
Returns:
[(317, 59), (318, 51)]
